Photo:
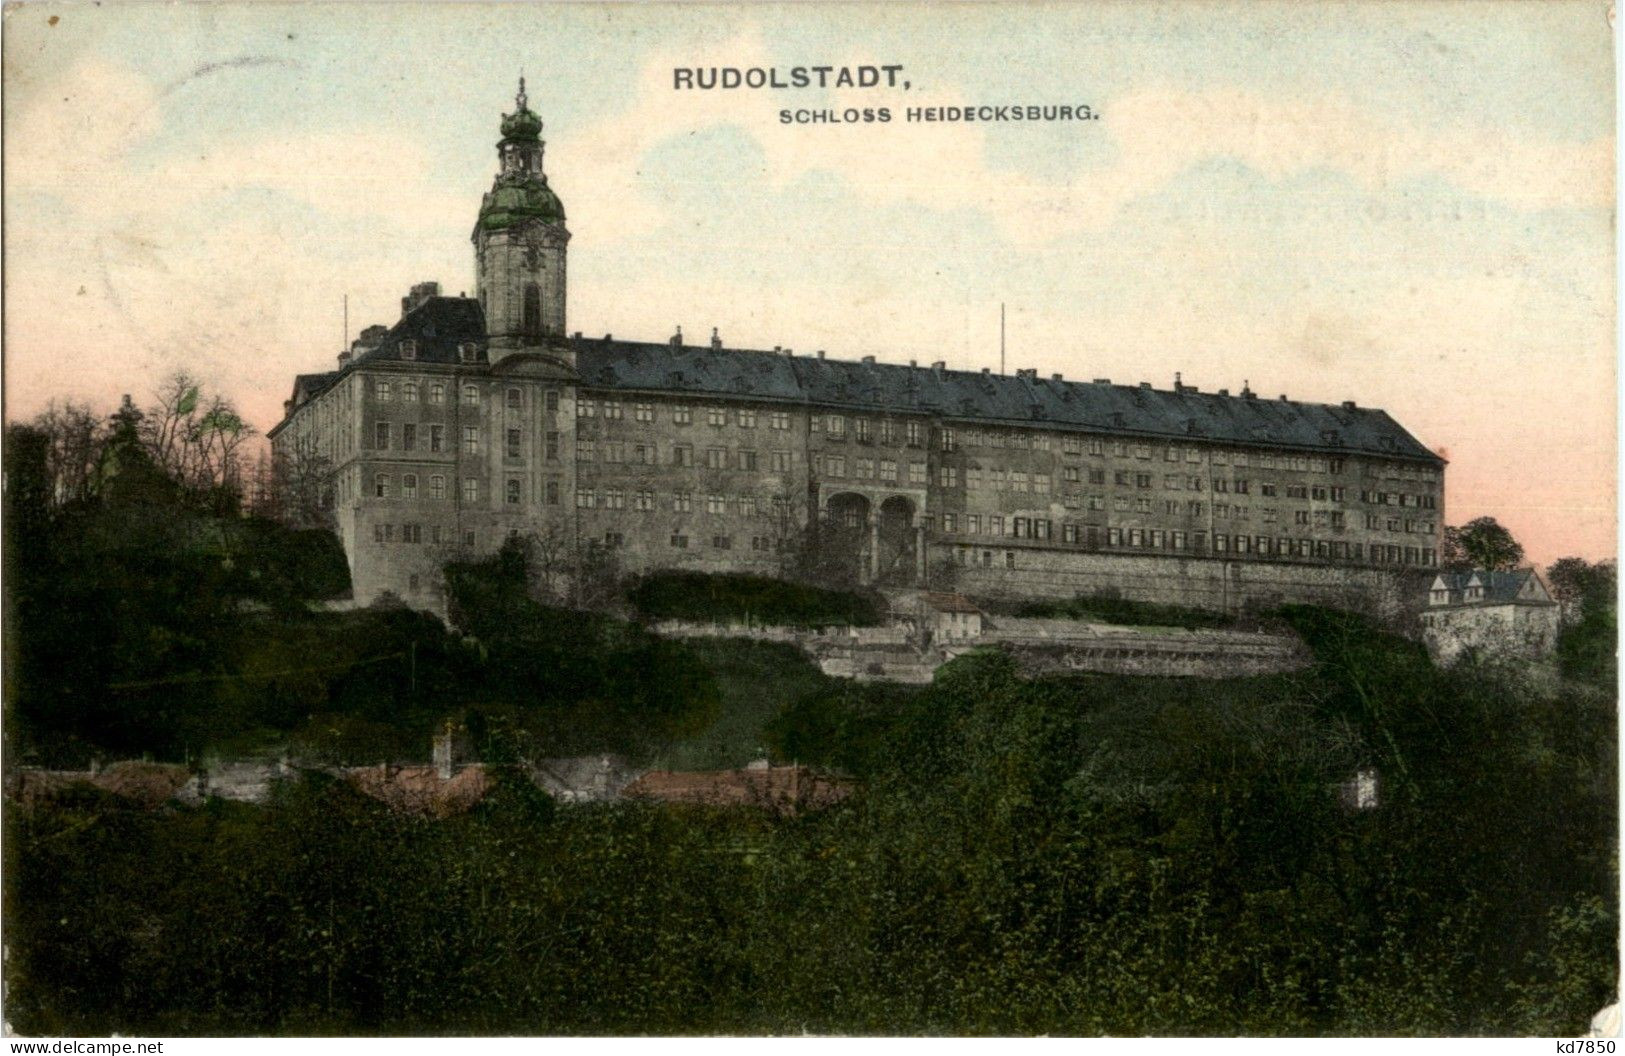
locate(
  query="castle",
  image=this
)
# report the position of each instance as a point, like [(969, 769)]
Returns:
[(472, 420)]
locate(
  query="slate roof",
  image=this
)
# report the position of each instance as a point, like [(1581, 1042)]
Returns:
[(1499, 587), (440, 324), (1023, 399)]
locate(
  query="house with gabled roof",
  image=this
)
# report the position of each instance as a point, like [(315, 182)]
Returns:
[(1487, 614)]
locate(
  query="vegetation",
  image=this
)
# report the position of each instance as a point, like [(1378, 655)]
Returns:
[(1480, 543), (1588, 642), (1077, 856), (734, 597), (1104, 609)]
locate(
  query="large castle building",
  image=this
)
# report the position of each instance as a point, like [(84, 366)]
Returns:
[(475, 419)]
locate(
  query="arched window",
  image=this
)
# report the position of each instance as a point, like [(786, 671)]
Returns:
[(533, 309)]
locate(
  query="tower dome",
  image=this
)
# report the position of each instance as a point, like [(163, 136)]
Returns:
[(520, 192)]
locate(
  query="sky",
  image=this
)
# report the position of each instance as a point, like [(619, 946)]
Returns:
[(1409, 205)]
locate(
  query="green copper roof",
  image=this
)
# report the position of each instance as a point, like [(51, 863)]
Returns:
[(509, 203)]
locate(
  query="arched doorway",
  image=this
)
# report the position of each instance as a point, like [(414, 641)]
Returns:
[(844, 538), (896, 538)]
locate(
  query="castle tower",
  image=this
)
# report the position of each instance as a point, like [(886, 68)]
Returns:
[(519, 246)]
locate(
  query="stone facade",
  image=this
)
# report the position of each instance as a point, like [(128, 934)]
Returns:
[(475, 419)]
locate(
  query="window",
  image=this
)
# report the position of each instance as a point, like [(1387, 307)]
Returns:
[(408, 349), (381, 391), (722, 542), (409, 392), (747, 418), (644, 454), (916, 472), (837, 427), (682, 414), (511, 450), (781, 461), (614, 499), (682, 502), (915, 434), (947, 476), (644, 500), (865, 469), (381, 436), (716, 416), (861, 430), (468, 351), (888, 432), (716, 504), (515, 400), (437, 487), (747, 505), (643, 412), (383, 533), (471, 395), (409, 485), (532, 320), (612, 409), (995, 525), (437, 393), (552, 448), (835, 465), (380, 485), (679, 541), (614, 539), (471, 490), (682, 454), (747, 460), (948, 442), (586, 498), (471, 439), (437, 437), (586, 451), (950, 523), (615, 451), (888, 469), (552, 401), (586, 407), (552, 493), (716, 458), (780, 419)]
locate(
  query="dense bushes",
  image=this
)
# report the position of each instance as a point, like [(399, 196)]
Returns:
[(730, 598), (1072, 856)]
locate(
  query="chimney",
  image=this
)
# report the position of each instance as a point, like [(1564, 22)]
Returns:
[(1348, 405), (677, 338), (913, 363), (576, 336), (1283, 397), (778, 348), (1056, 377), (608, 338), (1145, 384), (287, 408), (820, 353), (868, 361), (418, 294), (987, 372), (344, 359), (1246, 392), (939, 366), (1224, 392), (1103, 381), (716, 341)]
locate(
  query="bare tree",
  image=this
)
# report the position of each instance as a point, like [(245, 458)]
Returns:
[(195, 437), (299, 491), (75, 439)]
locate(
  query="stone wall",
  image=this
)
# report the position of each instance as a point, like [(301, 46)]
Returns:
[(1195, 582)]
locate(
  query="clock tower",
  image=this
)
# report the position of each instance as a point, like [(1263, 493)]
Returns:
[(519, 248)]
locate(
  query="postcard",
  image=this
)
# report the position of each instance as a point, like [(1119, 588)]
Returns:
[(1089, 519)]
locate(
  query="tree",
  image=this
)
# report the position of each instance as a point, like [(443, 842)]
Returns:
[(1581, 587), (198, 439), (1481, 543)]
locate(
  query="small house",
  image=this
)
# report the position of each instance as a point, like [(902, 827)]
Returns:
[(1490, 615)]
